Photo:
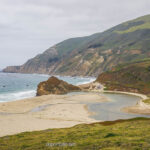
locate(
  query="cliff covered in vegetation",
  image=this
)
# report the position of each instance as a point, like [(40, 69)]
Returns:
[(131, 77)]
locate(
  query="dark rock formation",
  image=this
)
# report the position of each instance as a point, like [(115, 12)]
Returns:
[(55, 86)]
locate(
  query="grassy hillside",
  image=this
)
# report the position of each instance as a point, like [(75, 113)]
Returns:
[(117, 135), (93, 54), (138, 24), (133, 77)]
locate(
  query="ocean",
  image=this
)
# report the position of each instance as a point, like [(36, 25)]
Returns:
[(15, 86)]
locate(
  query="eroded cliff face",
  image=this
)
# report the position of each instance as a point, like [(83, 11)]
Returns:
[(92, 55), (73, 64), (55, 86), (92, 62), (12, 69)]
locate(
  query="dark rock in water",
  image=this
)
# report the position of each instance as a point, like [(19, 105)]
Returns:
[(55, 86), (4, 86)]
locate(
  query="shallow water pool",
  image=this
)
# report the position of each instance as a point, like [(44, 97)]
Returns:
[(111, 110)]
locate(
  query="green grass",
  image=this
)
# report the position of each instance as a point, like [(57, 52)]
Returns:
[(120, 66), (130, 134), (147, 101), (132, 29), (145, 18)]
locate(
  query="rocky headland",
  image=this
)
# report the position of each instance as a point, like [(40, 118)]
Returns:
[(92, 55), (55, 86)]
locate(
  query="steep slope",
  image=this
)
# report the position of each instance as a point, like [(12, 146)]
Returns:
[(93, 54), (131, 77)]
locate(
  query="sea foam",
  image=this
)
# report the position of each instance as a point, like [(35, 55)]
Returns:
[(17, 95)]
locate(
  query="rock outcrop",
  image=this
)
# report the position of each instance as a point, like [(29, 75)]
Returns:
[(55, 86)]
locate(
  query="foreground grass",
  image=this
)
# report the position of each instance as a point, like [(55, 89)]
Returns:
[(117, 135), (147, 101)]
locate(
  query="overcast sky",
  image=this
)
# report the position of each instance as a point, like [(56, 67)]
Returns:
[(29, 27)]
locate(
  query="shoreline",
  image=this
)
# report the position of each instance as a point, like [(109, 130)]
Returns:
[(128, 93), (140, 108), (1, 71), (55, 111), (29, 88)]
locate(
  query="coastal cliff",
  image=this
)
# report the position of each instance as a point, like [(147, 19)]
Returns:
[(92, 55), (130, 77), (55, 86)]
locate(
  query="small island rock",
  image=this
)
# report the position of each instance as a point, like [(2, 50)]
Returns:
[(55, 86)]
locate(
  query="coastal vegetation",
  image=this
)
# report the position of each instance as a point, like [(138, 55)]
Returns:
[(130, 77), (138, 24), (110, 135), (147, 101)]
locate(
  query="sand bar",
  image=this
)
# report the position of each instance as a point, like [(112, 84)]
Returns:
[(44, 112)]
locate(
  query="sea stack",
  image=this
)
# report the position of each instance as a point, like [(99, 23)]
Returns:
[(55, 86)]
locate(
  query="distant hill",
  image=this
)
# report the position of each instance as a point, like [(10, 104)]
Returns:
[(92, 55), (131, 77)]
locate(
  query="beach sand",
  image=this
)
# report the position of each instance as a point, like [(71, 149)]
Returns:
[(44, 112)]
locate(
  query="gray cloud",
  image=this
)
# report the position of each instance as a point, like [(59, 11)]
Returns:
[(28, 27)]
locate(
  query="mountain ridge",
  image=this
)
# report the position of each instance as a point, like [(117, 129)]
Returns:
[(92, 55)]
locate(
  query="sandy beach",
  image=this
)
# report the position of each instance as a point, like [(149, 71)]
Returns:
[(57, 111), (44, 112)]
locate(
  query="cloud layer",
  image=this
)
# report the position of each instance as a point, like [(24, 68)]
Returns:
[(28, 27)]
